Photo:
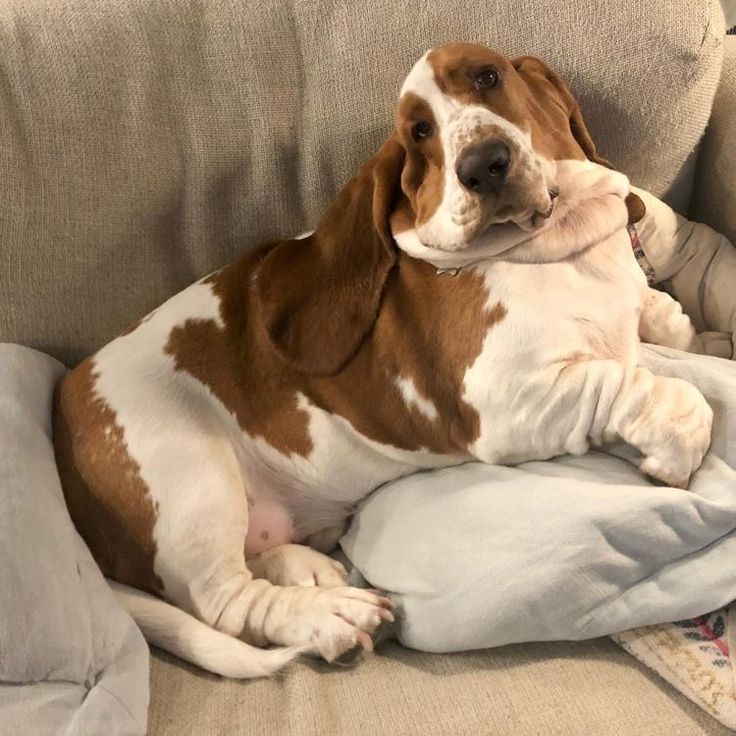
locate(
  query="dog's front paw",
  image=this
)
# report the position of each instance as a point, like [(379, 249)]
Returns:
[(339, 624), (674, 433)]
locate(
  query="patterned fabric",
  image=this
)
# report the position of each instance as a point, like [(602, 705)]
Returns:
[(694, 656), (641, 256)]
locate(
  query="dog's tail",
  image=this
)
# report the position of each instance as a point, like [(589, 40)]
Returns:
[(176, 631)]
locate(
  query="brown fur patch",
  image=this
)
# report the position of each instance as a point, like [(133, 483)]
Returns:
[(318, 297), (455, 66), (240, 367), (422, 179), (107, 499), (548, 86), (403, 217), (430, 330)]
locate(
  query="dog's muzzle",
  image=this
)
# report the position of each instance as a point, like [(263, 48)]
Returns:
[(507, 180)]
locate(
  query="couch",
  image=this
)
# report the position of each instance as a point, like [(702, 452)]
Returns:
[(144, 143)]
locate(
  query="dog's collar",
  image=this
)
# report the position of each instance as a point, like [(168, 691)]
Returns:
[(505, 237), (639, 254)]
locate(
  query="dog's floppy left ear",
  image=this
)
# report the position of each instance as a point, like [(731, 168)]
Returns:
[(319, 296), (530, 67)]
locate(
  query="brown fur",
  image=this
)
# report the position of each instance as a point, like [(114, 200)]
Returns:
[(239, 365), (422, 180), (105, 495), (545, 85), (319, 297)]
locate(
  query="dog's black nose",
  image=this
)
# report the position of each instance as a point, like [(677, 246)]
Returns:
[(483, 168)]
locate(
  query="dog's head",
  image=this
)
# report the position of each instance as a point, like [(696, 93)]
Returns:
[(481, 135), (475, 144)]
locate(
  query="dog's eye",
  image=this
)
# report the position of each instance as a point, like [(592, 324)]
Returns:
[(422, 129), (486, 79)]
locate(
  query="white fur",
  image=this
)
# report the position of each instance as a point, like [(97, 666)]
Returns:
[(414, 399), (558, 372)]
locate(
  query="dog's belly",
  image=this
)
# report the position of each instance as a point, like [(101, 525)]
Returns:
[(270, 524)]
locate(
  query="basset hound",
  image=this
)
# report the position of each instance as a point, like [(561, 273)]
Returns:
[(471, 294)]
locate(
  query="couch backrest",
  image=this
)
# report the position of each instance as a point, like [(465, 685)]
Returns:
[(143, 143)]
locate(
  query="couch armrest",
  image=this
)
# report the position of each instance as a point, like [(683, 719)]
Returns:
[(714, 195)]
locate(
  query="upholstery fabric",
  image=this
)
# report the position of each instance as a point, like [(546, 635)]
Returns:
[(714, 200), (147, 142), (570, 689)]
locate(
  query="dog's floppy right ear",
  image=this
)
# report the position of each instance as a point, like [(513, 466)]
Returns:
[(535, 72), (529, 67), (319, 296)]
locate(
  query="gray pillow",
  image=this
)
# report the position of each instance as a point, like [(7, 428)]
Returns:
[(481, 555), (71, 660)]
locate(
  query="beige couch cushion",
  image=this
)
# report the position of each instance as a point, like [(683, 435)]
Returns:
[(714, 200), (145, 143), (571, 689)]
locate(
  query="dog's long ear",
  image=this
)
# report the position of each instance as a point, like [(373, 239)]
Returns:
[(319, 296), (534, 70)]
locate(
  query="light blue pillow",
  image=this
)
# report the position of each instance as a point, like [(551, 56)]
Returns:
[(72, 661)]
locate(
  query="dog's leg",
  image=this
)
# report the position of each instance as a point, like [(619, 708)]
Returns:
[(568, 407), (295, 564), (201, 561), (329, 622), (668, 420), (663, 322)]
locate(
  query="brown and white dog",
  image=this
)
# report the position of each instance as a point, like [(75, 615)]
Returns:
[(470, 294)]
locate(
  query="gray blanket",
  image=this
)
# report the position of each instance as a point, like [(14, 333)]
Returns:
[(71, 660), (578, 547)]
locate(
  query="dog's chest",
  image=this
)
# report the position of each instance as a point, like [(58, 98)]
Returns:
[(557, 314), (586, 305)]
